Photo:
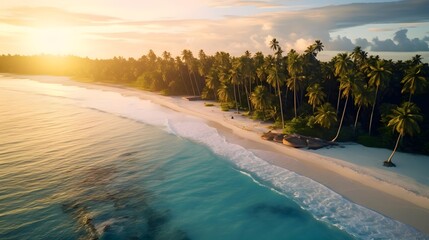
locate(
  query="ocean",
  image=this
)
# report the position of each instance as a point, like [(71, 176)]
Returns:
[(79, 163)]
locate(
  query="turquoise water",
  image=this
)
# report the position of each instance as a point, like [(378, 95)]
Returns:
[(86, 164)]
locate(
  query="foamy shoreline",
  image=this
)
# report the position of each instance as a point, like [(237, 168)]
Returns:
[(388, 199)]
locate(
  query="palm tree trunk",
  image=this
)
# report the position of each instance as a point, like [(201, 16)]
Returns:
[(394, 150), (196, 83), (341, 122), (247, 98), (239, 94), (372, 112), (357, 117), (409, 98), (280, 99), (338, 99), (235, 98), (192, 85), (184, 82), (294, 95)]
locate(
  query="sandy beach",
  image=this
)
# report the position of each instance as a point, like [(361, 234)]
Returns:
[(366, 190)]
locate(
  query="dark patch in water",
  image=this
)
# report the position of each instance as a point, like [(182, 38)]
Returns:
[(127, 211), (98, 176), (127, 154), (84, 218), (278, 210)]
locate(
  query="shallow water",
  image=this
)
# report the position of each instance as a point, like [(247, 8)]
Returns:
[(78, 163)]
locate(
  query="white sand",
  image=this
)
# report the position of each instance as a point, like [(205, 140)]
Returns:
[(355, 183)]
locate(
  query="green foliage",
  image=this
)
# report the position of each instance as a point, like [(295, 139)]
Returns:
[(226, 106), (208, 104), (325, 116)]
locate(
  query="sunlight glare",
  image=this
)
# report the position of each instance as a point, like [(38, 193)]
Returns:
[(52, 41)]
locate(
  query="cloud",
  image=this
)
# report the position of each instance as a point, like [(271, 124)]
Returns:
[(362, 42), (340, 44), (300, 44), (399, 43), (46, 16), (406, 44), (236, 34), (379, 46)]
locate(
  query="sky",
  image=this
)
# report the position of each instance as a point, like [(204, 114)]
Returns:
[(130, 28)]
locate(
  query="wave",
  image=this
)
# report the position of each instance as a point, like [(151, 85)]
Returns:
[(324, 204)]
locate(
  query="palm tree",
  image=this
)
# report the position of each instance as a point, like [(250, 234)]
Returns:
[(417, 59), (235, 79), (414, 80), (346, 85), (224, 93), (248, 72), (326, 115), (178, 67), (213, 81), (403, 120), (315, 95), (294, 68), (342, 66), (261, 99), (318, 47), (378, 76), (189, 59), (274, 45), (362, 98), (359, 56)]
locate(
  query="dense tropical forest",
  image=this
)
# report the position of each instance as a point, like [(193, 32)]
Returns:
[(353, 97)]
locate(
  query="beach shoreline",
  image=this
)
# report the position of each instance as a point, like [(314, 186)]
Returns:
[(385, 198)]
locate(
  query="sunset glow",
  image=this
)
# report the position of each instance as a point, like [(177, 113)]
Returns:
[(107, 29), (52, 40)]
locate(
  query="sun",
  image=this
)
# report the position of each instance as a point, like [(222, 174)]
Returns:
[(52, 40)]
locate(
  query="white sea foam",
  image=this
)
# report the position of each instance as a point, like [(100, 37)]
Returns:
[(323, 203)]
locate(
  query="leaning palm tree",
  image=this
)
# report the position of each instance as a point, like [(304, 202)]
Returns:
[(403, 120), (315, 95), (363, 97), (378, 75), (325, 115), (346, 85), (342, 65), (414, 80)]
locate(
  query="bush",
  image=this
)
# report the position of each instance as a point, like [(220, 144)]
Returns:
[(225, 107)]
